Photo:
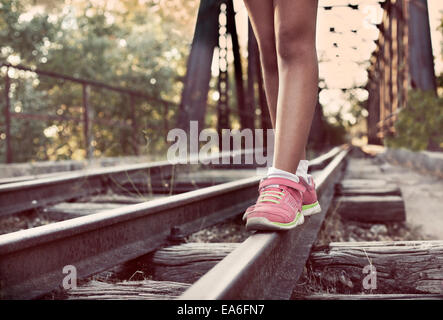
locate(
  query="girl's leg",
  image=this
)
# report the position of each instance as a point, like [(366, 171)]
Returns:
[(295, 28), (261, 14), (292, 39)]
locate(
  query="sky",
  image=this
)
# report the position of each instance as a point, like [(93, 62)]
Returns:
[(345, 66)]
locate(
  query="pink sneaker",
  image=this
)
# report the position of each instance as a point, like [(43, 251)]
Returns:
[(278, 206), (248, 211), (310, 202)]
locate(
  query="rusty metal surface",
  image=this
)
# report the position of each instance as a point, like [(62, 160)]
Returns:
[(19, 196), (32, 261), (24, 195), (268, 264)]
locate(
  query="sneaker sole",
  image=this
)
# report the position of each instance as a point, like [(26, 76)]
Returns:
[(245, 215), (263, 224), (310, 209)]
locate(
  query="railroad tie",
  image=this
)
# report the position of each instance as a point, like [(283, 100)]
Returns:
[(365, 195)]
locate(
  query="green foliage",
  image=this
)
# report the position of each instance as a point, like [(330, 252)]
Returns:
[(25, 141), (24, 38), (420, 125), (137, 45)]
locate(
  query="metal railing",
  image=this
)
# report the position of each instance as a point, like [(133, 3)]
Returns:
[(87, 118)]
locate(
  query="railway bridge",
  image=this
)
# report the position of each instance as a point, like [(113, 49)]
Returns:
[(162, 230)]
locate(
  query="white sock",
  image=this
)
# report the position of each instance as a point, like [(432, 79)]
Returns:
[(277, 173), (302, 170)]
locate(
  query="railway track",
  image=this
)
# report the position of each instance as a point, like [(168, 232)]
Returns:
[(268, 264), (32, 260), (27, 193)]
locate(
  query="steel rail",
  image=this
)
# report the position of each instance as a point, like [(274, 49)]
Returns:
[(30, 177), (33, 193), (268, 264), (32, 261), (24, 195), (321, 161)]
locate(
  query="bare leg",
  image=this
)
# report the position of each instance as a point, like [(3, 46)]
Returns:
[(295, 27), (261, 14), (263, 20)]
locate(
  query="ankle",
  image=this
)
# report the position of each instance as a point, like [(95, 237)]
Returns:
[(278, 173)]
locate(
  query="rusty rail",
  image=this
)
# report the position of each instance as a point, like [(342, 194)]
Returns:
[(268, 264)]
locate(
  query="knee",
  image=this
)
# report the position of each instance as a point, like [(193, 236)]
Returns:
[(295, 45), (268, 56)]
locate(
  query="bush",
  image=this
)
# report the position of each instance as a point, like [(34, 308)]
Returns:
[(420, 125)]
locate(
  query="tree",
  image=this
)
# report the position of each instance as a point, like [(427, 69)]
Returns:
[(141, 45)]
